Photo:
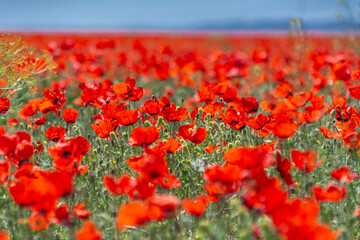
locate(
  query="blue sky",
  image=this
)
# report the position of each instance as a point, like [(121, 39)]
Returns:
[(169, 14)]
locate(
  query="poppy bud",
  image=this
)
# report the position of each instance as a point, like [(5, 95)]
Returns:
[(222, 125), (160, 121), (98, 140), (113, 136), (237, 143), (22, 125), (183, 142), (186, 149), (217, 127), (106, 148), (216, 115), (333, 113), (76, 129), (28, 127), (231, 145), (147, 123), (207, 117), (234, 203), (94, 151), (2, 121), (124, 136)]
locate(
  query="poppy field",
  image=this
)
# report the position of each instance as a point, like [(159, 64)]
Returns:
[(128, 136)]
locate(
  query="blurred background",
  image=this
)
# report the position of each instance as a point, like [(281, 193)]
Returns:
[(177, 15)]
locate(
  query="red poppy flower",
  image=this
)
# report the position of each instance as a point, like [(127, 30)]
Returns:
[(306, 161), (343, 173), (332, 193), (128, 117), (152, 165), (70, 115), (39, 147), (168, 182), (206, 95), (68, 153), (210, 149), (40, 189), (234, 119), (248, 158), (266, 195), (302, 223), (13, 122), (122, 185), (284, 90), (284, 128), (30, 109), (62, 215), (258, 122), (171, 114), (355, 92), (4, 236), (162, 206), (82, 146), (80, 211), (143, 137), (110, 110), (16, 146), (4, 171), (88, 232), (4, 105), (229, 95), (196, 136), (195, 207), (40, 121), (352, 140), (128, 90), (173, 145), (284, 167), (55, 97), (132, 214), (164, 102), (223, 179), (55, 133), (104, 128), (38, 221), (328, 133), (152, 107), (250, 104)]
